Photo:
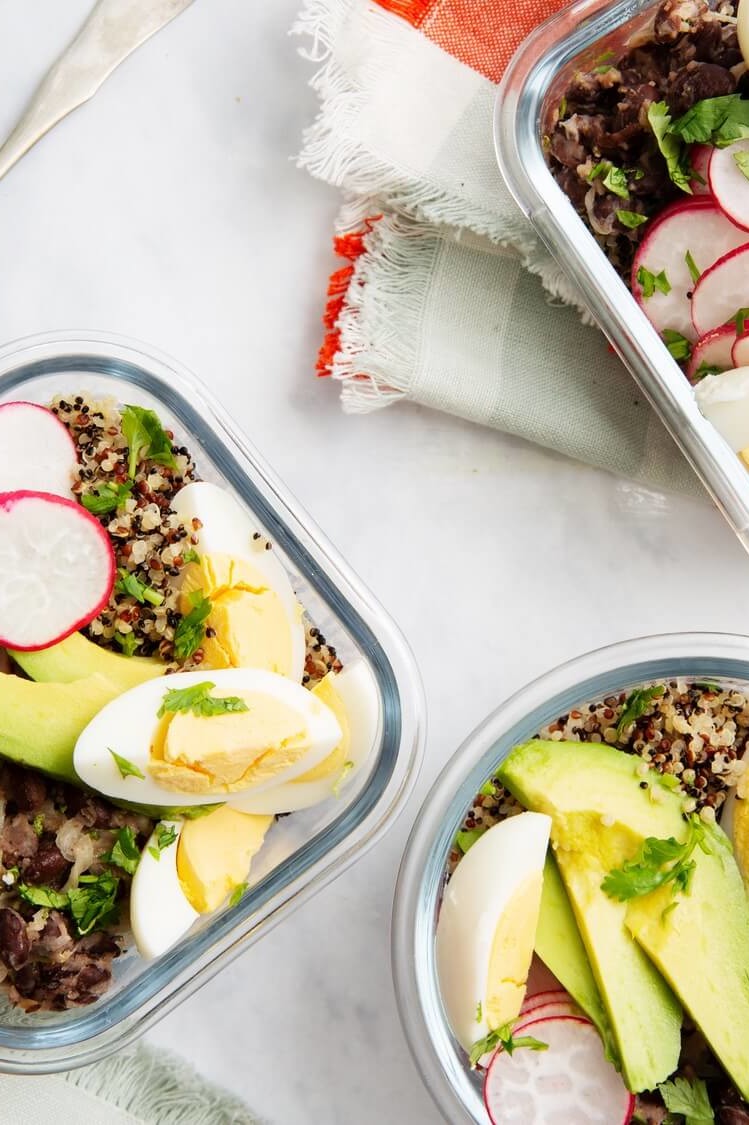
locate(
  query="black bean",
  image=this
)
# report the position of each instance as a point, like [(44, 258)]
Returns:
[(14, 940), (48, 866)]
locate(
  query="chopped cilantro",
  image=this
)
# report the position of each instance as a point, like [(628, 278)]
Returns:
[(739, 319), (741, 160), (671, 147), (237, 893), (199, 700), (562, 111), (43, 896), (127, 583), (479, 1012), (601, 69), (154, 852), (345, 771), (502, 1036), (678, 345), (93, 903), (125, 852), (718, 121), (467, 838), (694, 271), (657, 863), (707, 369), (631, 219), (107, 498), (689, 1098), (146, 439), (651, 282), (128, 642), (39, 823), (613, 178), (166, 834), (190, 632), (636, 704), (127, 769), (190, 556)]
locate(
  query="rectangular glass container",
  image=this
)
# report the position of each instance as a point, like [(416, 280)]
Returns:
[(534, 83), (315, 845)]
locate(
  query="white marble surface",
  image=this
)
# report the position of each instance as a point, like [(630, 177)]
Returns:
[(168, 209)]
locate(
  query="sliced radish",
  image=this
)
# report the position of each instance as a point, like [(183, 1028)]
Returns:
[(546, 1011), (712, 351), (729, 185), (551, 996), (722, 290), (38, 452), (699, 162), (572, 1081), (698, 229), (740, 351), (57, 569)]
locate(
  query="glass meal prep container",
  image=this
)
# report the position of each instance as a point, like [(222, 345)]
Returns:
[(714, 657), (533, 84), (316, 844)]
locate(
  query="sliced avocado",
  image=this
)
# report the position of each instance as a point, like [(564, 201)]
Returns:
[(40, 723), (76, 657), (600, 816), (560, 947), (702, 948)]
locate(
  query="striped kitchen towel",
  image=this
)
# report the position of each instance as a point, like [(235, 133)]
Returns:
[(444, 294)]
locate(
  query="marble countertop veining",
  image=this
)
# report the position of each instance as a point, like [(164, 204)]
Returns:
[(168, 209)]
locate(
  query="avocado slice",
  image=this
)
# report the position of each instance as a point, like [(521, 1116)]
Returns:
[(600, 816), (77, 657), (707, 930), (40, 723), (560, 947)]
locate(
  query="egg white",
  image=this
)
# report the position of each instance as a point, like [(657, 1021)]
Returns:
[(228, 530), (128, 724), (357, 689), (475, 900), (160, 912)]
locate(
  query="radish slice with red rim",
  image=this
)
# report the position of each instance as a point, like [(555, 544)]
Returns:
[(729, 184), (38, 452), (545, 1012), (571, 1081), (699, 162), (679, 245), (540, 998), (57, 569), (740, 351), (722, 291), (712, 353)]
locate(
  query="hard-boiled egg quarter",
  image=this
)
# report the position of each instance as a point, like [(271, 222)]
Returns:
[(275, 732), (487, 926), (225, 530), (188, 868), (352, 695)]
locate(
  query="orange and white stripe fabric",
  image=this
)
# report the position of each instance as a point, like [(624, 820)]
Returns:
[(433, 299)]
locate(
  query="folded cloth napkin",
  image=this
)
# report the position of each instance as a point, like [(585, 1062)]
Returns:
[(446, 296), (136, 1087)]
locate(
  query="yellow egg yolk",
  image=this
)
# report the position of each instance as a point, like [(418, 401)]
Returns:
[(248, 626), (215, 852), (236, 750), (512, 950), (333, 765)]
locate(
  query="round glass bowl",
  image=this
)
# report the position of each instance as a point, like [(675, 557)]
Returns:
[(715, 657)]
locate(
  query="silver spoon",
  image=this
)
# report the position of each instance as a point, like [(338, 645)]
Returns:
[(114, 30)]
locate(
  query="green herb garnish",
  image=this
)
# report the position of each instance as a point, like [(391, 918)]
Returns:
[(739, 319), (488, 789), (39, 823), (694, 271), (237, 893), (127, 769), (467, 838), (146, 438), (613, 178), (707, 369), (107, 498), (43, 896), (741, 160), (562, 111), (189, 634), (125, 852), (652, 281), (631, 219), (190, 556), (199, 700), (671, 147), (689, 1098), (479, 1012), (127, 583), (657, 863), (93, 903), (717, 121), (128, 642), (636, 704), (166, 834), (503, 1037), (678, 345)]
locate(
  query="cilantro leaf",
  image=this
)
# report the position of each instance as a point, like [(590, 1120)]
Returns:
[(38, 824), (502, 1036), (678, 345), (127, 583), (671, 147), (146, 439), (479, 1012), (631, 219), (128, 642), (125, 852), (717, 121), (652, 281), (43, 896), (166, 834), (107, 498), (189, 634), (467, 838), (190, 556), (237, 893), (694, 271), (739, 319), (706, 368), (154, 852), (127, 769), (614, 179), (741, 159), (689, 1098), (650, 869), (636, 704), (93, 903), (199, 700)]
